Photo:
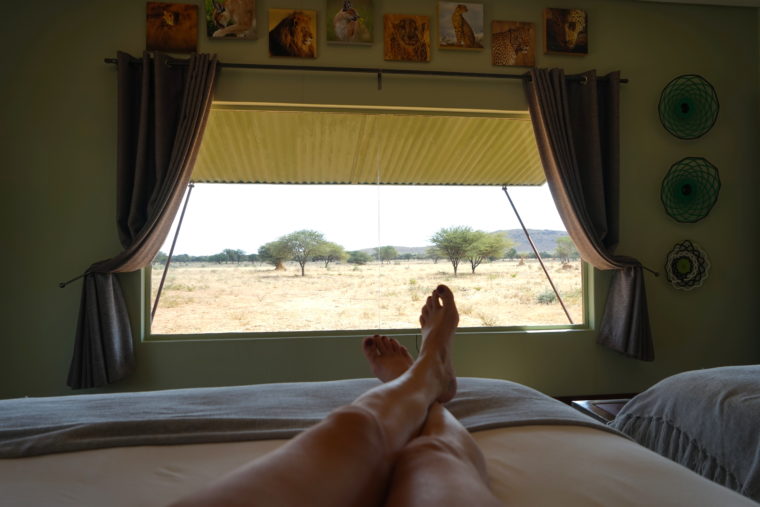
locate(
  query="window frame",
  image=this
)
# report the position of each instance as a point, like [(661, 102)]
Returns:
[(588, 273), (589, 284)]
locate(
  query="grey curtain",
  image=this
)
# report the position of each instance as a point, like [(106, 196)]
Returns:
[(576, 122), (163, 105)]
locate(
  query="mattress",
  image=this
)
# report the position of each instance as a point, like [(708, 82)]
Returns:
[(146, 449), (538, 465)]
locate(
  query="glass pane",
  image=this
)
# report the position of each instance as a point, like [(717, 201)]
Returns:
[(218, 283)]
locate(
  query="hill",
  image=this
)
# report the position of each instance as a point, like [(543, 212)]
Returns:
[(545, 240)]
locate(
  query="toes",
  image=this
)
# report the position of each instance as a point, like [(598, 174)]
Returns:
[(445, 294), (371, 344), (436, 301), (403, 350), (387, 346)]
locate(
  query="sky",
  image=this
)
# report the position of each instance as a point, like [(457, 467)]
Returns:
[(244, 217)]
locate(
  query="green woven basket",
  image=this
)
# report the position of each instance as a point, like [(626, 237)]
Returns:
[(688, 106), (690, 189)]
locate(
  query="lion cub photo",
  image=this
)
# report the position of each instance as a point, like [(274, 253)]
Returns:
[(293, 33), (171, 27), (406, 38)]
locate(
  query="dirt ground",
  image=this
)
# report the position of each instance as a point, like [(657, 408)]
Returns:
[(221, 298)]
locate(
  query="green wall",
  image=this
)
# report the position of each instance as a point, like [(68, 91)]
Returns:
[(58, 182)]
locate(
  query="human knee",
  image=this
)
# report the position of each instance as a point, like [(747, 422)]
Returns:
[(429, 445), (358, 424), (441, 454)]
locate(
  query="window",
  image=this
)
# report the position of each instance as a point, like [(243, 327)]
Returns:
[(367, 257)]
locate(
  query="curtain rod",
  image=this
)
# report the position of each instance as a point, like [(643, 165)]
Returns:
[(367, 70)]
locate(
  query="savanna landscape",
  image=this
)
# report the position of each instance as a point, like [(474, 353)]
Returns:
[(254, 297)]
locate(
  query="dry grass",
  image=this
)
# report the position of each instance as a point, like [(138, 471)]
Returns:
[(255, 298)]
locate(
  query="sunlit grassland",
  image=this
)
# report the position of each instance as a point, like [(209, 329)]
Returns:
[(246, 297)]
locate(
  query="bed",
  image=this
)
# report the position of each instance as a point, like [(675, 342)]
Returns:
[(707, 420), (145, 449)]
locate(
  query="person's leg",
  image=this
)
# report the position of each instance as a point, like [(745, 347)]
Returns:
[(443, 465), (432, 372), (347, 458)]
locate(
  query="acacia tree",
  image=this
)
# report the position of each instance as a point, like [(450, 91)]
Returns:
[(303, 245), (231, 255), (433, 253), (386, 254), (218, 258), (358, 257), (330, 252), (275, 253), (160, 258), (454, 243), (566, 249), (486, 246)]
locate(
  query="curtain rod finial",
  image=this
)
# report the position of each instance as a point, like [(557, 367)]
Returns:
[(655, 273), (62, 285)]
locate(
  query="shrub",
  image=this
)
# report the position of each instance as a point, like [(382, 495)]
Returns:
[(486, 320), (546, 298)]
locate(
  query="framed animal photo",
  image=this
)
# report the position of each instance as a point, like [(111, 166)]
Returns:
[(460, 25), (406, 38), (513, 43), (171, 27), (349, 21), (293, 33), (230, 19), (565, 31)]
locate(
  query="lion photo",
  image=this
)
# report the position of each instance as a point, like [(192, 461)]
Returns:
[(293, 33), (406, 38), (171, 27), (566, 31)]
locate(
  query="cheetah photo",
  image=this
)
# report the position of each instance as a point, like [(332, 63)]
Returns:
[(513, 43), (565, 31), (460, 25)]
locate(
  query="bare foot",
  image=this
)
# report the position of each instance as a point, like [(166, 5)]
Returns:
[(387, 357), (439, 320)]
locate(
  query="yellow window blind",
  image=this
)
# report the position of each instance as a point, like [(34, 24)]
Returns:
[(276, 143)]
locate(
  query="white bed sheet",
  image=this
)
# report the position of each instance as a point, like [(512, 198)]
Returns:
[(564, 466)]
